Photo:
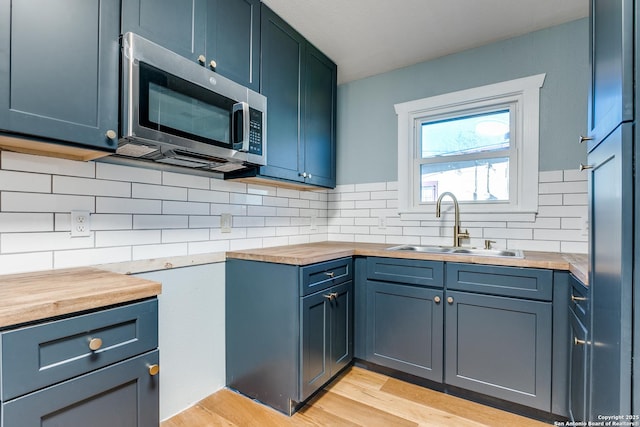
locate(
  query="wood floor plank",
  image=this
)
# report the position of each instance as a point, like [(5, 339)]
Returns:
[(242, 411), (403, 408), (358, 412), (457, 406), (357, 398)]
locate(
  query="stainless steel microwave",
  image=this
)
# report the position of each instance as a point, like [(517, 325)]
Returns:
[(175, 111)]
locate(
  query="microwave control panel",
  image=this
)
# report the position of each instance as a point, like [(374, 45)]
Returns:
[(255, 132)]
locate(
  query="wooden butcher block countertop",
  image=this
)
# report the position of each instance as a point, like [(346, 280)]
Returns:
[(312, 253), (40, 295)]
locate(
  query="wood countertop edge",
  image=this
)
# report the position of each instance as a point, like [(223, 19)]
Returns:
[(41, 310), (305, 254)]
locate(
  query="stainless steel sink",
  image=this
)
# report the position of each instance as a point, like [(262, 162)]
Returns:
[(511, 253)]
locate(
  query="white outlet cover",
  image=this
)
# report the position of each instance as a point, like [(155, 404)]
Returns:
[(80, 223)]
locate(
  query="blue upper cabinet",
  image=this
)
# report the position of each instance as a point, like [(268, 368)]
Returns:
[(299, 82), (611, 57), (220, 34), (59, 70)]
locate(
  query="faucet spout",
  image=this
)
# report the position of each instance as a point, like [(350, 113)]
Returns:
[(457, 233)]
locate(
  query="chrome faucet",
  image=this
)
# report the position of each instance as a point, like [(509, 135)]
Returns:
[(457, 234)]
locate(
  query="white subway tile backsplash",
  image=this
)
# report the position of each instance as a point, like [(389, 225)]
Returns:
[(49, 165), (127, 237), (24, 181), (92, 256), (159, 192), (132, 206), (91, 187), (245, 199), (141, 213), (185, 208), (11, 222), (183, 180), (36, 202), (21, 263), (227, 186), (185, 235), (131, 174), (550, 176), (159, 251), (159, 222), (48, 241), (575, 175)]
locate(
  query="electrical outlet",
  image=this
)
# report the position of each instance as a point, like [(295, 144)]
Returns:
[(314, 224), (382, 222), (225, 223), (80, 224)]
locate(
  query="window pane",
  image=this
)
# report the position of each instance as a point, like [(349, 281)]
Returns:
[(466, 134), (471, 180)]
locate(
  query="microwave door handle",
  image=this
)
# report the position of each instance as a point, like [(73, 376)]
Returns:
[(241, 141)]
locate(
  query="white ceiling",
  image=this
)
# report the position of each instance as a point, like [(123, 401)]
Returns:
[(368, 37)]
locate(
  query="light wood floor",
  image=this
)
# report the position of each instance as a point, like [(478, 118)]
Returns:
[(358, 398)]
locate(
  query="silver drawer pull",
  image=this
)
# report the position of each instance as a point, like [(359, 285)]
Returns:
[(331, 296), (330, 274), (575, 298), (95, 344), (576, 341)]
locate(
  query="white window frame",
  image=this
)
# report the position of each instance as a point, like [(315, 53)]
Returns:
[(523, 95)]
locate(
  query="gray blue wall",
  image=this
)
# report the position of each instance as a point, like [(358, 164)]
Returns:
[(367, 124)]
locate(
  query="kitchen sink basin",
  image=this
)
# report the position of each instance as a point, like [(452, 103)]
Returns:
[(510, 253)]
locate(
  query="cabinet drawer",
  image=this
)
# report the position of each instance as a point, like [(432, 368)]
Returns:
[(505, 281), (579, 299), (408, 271), (316, 277), (42, 355)]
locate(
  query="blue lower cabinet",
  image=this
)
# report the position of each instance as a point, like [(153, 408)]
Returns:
[(123, 395), (499, 346), (94, 369), (289, 329), (406, 324)]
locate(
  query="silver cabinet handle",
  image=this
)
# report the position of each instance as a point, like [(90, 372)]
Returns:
[(303, 174), (576, 341), (575, 298), (436, 299), (585, 138), (330, 274), (213, 64), (450, 300), (331, 296), (584, 167), (202, 59)]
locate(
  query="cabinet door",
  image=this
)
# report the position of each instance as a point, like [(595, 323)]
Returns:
[(281, 74), (315, 345), (404, 328), (177, 25), (611, 57), (500, 347), (319, 119), (123, 395), (59, 69), (341, 348), (233, 40), (610, 282), (578, 364)]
